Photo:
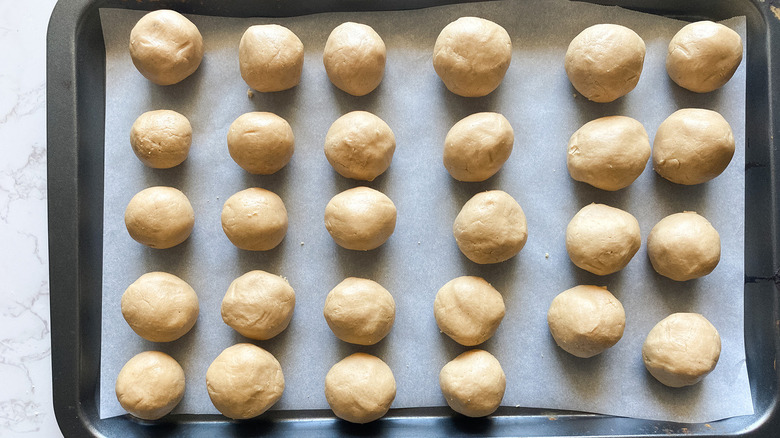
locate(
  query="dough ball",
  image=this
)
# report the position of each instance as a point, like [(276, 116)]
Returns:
[(255, 219), (608, 153), (261, 143), (602, 239), (692, 146), (160, 307), (586, 320), (604, 61), (703, 56), (159, 217), (360, 388), (359, 145), (360, 218), (244, 381), (165, 47), (490, 228), (354, 58), (472, 55), (681, 349), (270, 58), (150, 385), (473, 383), (161, 139), (477, 146), (469, 310), (258, 305), (359, 311), (683, 246)]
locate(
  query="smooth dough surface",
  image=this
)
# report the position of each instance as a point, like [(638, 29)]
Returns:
[(165, 47), (354, 58), (604, 61), (159, 217), (261, 143), (473, 383), (359, 145), (255, 219), (150, 385), (360, 388), (270, 58), (469, 310), (359, 311), (472, 55), (244, 381), (703, 56), (259, 305), (477, 146), (586, 320), (160, 307), (490, 228), (161, 139), (681, 349), (683, 246), (602, 239), (360, 218)]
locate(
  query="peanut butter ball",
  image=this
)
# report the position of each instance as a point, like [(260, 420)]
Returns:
[(359, 145), (473, 383), (703, 56), (490, 228), (360, 218), (359, 311), (160, 307), (161, 139), (469, 310), (684, 246), (602, 239), (354, 58), (270, 58), (259, 305), (360, 388), (477, 146), (255, 219), (159, 217), (150, 385), (261, 143)]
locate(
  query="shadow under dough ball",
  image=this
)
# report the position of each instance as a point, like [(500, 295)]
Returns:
[(477, 146), (160, 307), (270, 58), (360, 218), (703, 56), (360, 388), (354, 58), (255, 219), (261, 143), (259, 305), (473, 383), (161, 139), (359, 145), (490, 228), (359, 311), (683, 246), (602, 239), (159, 217), (150, 385), (468, 310)]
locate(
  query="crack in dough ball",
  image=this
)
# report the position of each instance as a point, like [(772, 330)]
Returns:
[(602, 239), (359, 145), (360, 218), (354, 58), (150, 385), (159, 217), (360, 388), (261, 143), (359, 311), (161, 139), (259, 305), (477, 146), (683, 246), (490, 228), (468, 310), (160, 307), (255, 219), (270, 58), (473, 383), (703, 56)]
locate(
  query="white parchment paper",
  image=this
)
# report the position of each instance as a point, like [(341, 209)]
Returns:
[(421, 256)]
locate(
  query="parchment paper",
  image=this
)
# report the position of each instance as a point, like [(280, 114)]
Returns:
[(421, 256)]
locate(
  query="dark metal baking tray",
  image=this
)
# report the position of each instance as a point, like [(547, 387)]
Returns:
[(75, 131)]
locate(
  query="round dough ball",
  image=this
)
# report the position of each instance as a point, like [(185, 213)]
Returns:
[(359, 311), (608, 153), (354, 58), (681, 349), (490, 228), (477, 146), (602, 239), (165, 47), (360, 388), (472, 55), (469, 310), (692, 146), (159, 217), (150, 385), (255, 219), (473, 383), (703, 56), (604, 61), (359, 145), (259, 305), (160, 307), (586, 320), (261, 143), (161, 139), (360, 218), (683, 246), (244, 381), (270, 58)]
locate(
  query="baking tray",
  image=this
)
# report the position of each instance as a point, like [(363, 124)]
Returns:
[(75, 130)]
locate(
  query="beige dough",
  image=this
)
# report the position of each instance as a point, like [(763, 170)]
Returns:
[(602, 239), (360, 388), (681, 349), (703, 56), (472, 55), (604, 61), (159, 217), (360, 218), (150, 385), (683, 246), (490, 228), (477, 146), (270, 58), (354, 58), (161, 139), (258, 305), (359, 145), (255, 219), (359, 311), (692, 146), (165, 47), (160, 307), (261, 143), (469, 310), (244, 381), (608, 153), (586, 320), (473, 383)]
